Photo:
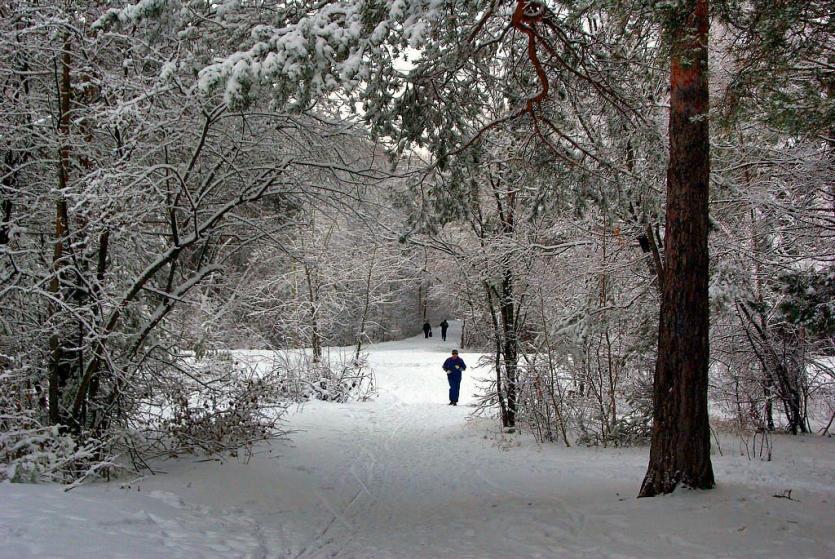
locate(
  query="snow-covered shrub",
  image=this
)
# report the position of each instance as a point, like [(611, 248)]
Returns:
[(809, 302), (585, 376), (222, 406), (633, 427), (765, 347), (32, 452), (336, 377), (559, 401), (229, 401), (344, 380)]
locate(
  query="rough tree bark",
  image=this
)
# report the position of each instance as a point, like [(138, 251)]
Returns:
[(680, 449)]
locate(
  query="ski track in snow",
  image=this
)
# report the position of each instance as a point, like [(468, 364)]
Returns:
[(406, 476)]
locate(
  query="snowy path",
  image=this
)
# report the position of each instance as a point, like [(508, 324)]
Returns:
[(408, 476)]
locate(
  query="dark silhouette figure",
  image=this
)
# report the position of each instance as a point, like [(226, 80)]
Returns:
[(454, 366), (444, 325), (427, 330)]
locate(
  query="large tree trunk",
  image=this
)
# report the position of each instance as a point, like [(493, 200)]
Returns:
[(680, 450)]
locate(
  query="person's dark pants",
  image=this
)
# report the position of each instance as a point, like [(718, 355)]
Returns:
[(454, 379), (443, 334), (426, 334)]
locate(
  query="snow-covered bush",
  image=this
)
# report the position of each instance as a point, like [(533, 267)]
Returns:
[(632, 426), (227, 401), (349, 379), (222, 407), (31, 451), (337, 377)]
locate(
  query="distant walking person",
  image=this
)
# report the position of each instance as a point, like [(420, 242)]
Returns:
[(454, 366), (427, 330), (444, 325)]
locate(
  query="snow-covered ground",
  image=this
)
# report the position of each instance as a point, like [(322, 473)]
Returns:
[(407, 476)]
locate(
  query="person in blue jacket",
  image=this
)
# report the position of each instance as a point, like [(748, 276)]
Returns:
[(454, 366)]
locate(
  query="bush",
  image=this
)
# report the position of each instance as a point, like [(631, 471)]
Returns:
[(223, 407)]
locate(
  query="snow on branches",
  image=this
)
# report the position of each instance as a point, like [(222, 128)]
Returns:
[(298, 54)]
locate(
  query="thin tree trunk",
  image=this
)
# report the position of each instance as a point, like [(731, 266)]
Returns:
[(657, 264), (59, 367), (507, 306), (9, 179), (366, 306), (421, 308), (610, 365), (315, 336), (680, 449), (101, 268), (497, 331), (507, 309), (554, 382)]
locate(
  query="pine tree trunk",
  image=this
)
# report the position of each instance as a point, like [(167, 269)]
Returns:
[(680, 450)]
